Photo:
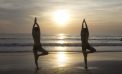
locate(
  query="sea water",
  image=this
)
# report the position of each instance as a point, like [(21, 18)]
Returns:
[(60, 42)]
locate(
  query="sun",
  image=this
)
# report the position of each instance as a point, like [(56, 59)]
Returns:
[(61, 17)]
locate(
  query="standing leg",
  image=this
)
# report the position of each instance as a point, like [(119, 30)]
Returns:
[(85, 59), (36, 61), (84, 47), (36, 57)]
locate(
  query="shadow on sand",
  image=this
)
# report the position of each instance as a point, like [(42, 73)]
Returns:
[(95, 67)]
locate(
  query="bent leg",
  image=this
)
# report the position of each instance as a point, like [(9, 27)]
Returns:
[(90, 48), (44, 52)]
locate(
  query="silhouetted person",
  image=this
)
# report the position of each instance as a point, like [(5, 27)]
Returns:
[(85, 43), (37, 45)]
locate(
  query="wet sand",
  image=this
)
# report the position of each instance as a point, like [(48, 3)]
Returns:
[(61, 63)]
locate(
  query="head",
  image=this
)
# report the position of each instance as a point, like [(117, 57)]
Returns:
[(36, 29), (84, 30)]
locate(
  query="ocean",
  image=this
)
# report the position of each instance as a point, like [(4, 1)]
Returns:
[(60, 42)]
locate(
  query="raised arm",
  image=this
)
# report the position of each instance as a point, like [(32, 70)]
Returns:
[(35, 24), (33, 28), (83, 24), (86, 24), (86, 27)]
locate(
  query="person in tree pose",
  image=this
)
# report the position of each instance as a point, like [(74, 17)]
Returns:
[(37, 46), (85, 43)]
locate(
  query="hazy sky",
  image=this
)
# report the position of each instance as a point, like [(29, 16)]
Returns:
[(102, 16)]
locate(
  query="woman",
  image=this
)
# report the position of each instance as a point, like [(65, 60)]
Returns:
[(85, 43), (37, 45)]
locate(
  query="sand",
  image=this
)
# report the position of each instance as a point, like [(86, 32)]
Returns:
[(61, 63)]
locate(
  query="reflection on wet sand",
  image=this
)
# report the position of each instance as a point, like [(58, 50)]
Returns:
[(61, 59)]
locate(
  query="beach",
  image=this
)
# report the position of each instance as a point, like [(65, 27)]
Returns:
[(61, 63), (65, 55), (64, 28)]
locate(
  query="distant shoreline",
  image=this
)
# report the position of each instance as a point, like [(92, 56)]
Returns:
[(52, 51)]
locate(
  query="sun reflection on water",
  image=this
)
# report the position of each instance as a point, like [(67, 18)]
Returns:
[(61, 38), (61, 41), (60, 48), (61, 56)]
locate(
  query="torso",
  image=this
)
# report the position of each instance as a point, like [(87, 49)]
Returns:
[(84, 35), (36, 36)]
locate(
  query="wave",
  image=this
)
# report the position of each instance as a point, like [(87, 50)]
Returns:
[(118, 39), (59, 44)]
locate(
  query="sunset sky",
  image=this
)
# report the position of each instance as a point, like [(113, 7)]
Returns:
[(61, 16)]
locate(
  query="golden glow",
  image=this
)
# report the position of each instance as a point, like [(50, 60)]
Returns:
[(61, 59), (61, 34), (61, 17)]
